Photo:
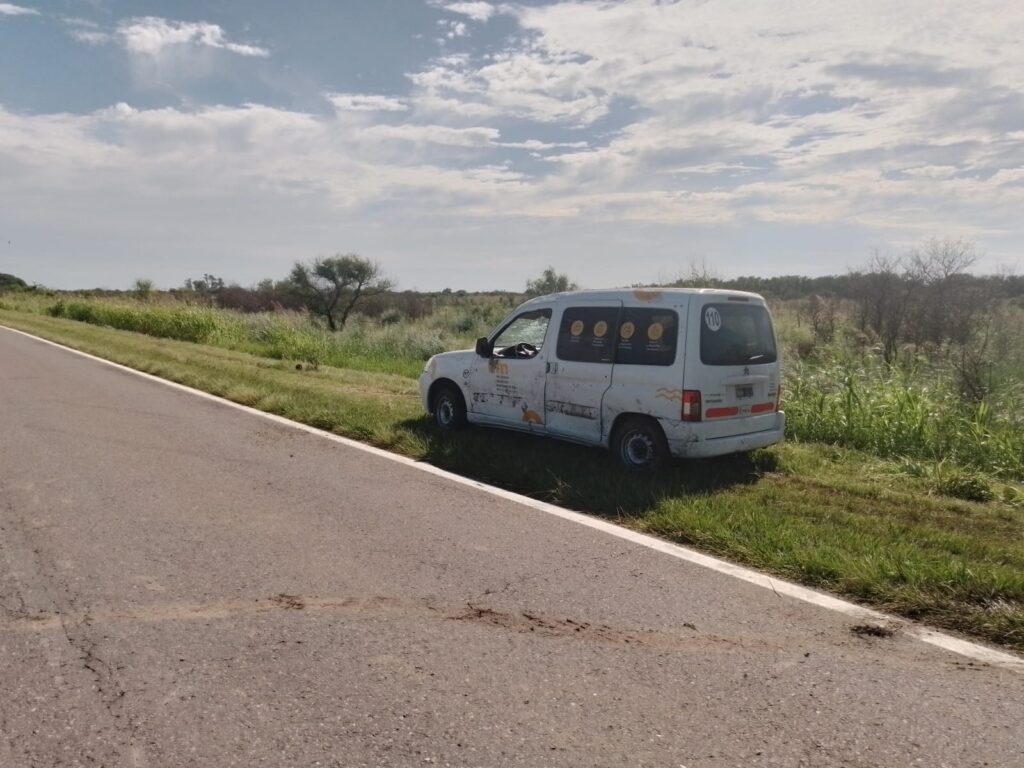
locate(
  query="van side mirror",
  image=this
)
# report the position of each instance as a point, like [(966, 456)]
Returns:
[(484, 348)]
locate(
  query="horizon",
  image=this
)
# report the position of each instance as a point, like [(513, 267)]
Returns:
[(723, 282)]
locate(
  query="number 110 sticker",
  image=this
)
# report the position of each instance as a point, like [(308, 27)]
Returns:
[(712, 318)]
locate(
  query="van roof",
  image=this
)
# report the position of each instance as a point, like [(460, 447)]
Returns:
[(644, 295)]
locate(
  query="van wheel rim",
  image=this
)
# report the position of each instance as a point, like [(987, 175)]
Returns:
[(638, 449), (445, 411)]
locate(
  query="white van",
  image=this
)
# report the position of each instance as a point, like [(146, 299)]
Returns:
[(648, 373)]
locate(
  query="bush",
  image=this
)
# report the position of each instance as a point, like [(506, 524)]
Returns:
[(960, 484)]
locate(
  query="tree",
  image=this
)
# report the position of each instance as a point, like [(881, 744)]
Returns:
[(950, 300), (549, 282), (12, 283), (208, 285), (925, 298), (143, 288), (883, 294), (699, 274), (331, 287)]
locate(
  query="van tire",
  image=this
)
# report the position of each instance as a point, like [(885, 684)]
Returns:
[(639, 444), (449, 408)]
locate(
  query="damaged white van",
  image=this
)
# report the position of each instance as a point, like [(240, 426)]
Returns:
[(647, 373)]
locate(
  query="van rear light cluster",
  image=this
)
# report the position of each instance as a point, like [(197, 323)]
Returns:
[(691, 405)]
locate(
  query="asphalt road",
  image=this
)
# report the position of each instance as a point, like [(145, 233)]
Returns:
[(185, 584)]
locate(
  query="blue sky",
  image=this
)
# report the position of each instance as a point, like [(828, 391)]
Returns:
[(470, 144)]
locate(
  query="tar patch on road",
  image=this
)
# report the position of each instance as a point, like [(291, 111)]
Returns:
[(874, 630)]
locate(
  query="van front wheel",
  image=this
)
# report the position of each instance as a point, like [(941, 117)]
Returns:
[(640, 445), (449, 409)]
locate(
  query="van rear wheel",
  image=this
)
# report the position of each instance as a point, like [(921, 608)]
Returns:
[(640, 445)]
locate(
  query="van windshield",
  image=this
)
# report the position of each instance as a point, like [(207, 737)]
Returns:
[(736, 334)]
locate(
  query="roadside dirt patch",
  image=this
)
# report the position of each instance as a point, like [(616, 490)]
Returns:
[(289, 602), (874, 630), (527, 622)]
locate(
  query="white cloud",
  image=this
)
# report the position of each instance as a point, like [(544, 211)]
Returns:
[(357, 102), (932, 171), (8, 9), (477, 11), (222, 151), (433, 134), (151, 36), (723, 110), (90, 36), (536, 145), (85, 31)]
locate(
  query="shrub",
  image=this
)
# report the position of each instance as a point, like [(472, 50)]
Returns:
[(961, 484)]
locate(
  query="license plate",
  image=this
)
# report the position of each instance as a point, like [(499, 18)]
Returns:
[(745, 391)]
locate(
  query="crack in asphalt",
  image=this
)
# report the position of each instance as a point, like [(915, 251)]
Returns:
[(109, 688), (58, 594)]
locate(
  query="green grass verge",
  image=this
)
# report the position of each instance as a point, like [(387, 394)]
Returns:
[(879, 531)]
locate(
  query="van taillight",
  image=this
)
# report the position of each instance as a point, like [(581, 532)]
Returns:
[(691, 405)]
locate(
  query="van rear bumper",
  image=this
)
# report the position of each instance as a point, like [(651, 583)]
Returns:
[(694, 445)]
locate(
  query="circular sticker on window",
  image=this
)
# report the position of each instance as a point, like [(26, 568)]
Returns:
[(577, 328), (712, 319), (655, 331), (627, 330), (600, 328)]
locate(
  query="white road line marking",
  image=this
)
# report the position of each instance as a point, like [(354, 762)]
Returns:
[(780, 587)]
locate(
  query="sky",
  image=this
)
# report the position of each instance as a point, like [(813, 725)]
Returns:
[(470, 144)]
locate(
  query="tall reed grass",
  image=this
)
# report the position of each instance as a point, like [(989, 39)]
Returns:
[(186, 323), (914, 413), (364, 344)]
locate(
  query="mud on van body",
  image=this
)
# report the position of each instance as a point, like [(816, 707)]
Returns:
[(647, 373)]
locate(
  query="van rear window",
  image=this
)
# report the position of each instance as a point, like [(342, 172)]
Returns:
[(736, 334)]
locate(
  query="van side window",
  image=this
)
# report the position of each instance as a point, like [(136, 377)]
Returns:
[(647, 337), (587, 334)]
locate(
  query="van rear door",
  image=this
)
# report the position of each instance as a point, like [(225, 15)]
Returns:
[(734, 364)]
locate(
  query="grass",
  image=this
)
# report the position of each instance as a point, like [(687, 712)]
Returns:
[(283, 335), (904, 413), (886, 532)]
